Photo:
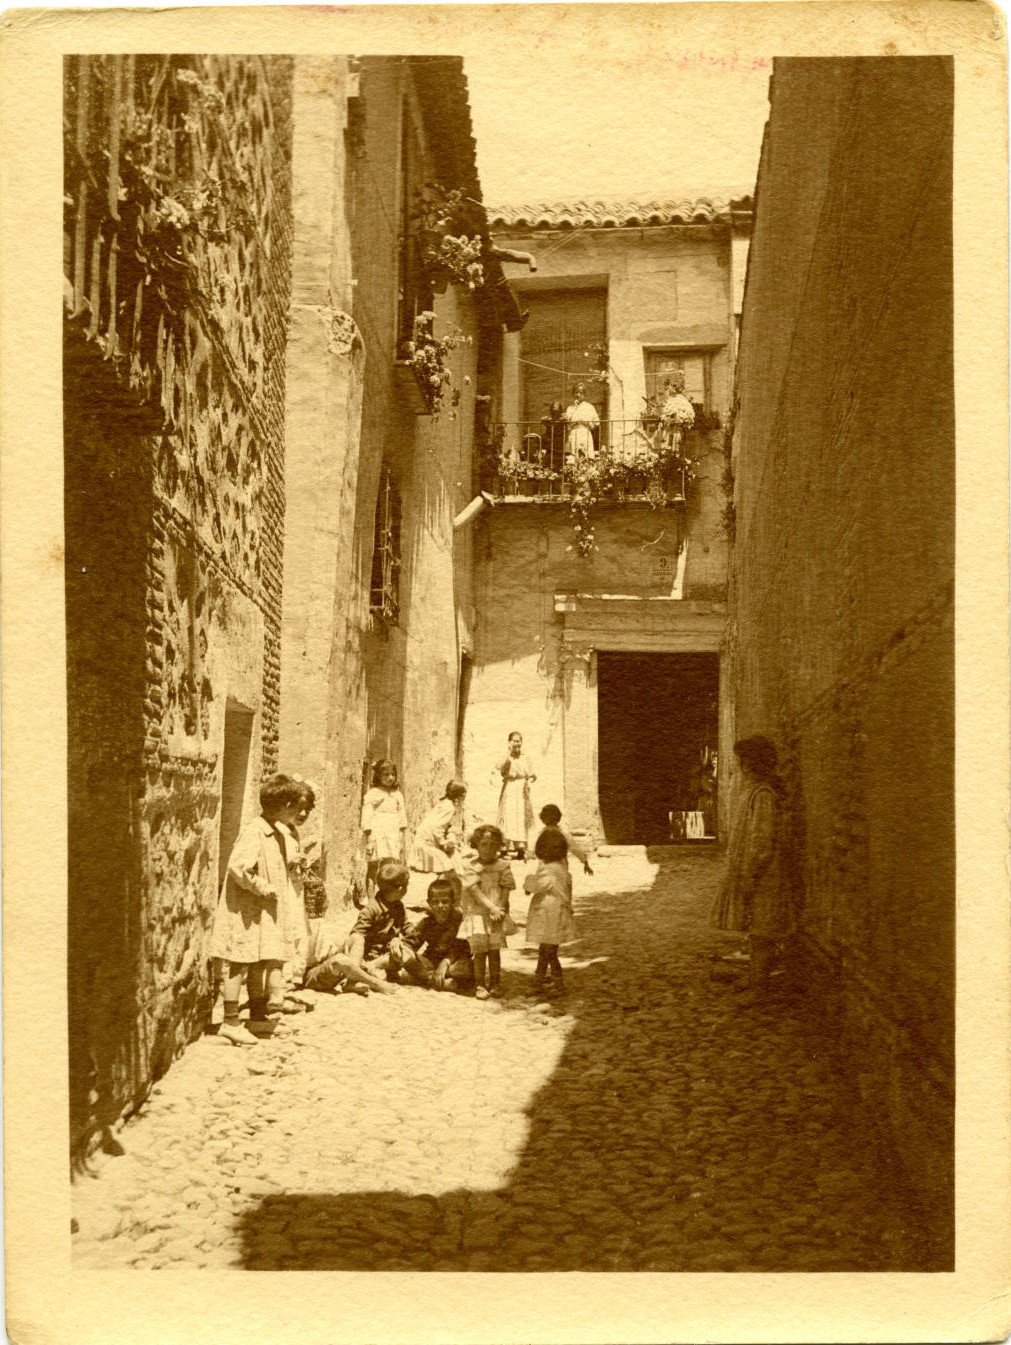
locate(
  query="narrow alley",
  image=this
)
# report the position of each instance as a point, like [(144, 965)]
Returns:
[(647, 1122)]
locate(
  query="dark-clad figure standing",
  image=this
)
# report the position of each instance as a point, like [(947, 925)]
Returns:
[(754, 897)]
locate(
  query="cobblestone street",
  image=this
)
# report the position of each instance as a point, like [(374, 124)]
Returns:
[(646, 1122)]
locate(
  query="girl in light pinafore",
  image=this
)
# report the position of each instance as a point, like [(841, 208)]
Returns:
[(384, 820)]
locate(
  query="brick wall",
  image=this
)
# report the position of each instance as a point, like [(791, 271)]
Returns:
[(173, 400), (842, 612)]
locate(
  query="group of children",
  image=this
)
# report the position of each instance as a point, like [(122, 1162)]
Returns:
[(262, 935)]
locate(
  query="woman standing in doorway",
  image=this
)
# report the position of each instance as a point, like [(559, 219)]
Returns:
[(754, 898), (515, 811)]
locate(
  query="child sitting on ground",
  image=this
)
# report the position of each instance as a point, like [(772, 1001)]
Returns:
[(549, 917), (330, 968), (252, 934), (551, 816), (486, 884), (441, 957), (377, 941)]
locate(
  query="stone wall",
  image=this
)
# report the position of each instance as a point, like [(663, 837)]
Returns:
[(393, 686), (843, 565), (174, 378)]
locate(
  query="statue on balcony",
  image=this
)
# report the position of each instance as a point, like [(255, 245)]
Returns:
[(584, 426)]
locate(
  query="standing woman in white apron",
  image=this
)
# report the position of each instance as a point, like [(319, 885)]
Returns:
[(515, 811)]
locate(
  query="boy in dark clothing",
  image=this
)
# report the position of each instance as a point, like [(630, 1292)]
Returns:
[(441, 958), (377, 940)]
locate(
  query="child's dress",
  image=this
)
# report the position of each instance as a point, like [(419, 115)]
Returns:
[(549, 917), (251, 923), (434, 831), (298, 920), (383, 817), (495, 882)]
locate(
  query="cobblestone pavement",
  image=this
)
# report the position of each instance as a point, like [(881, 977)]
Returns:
[(646, 1122)]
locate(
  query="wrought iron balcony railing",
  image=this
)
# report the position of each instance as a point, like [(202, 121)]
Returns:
[(643, 459)]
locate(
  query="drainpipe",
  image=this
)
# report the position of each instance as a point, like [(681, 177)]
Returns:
[(471, 511)]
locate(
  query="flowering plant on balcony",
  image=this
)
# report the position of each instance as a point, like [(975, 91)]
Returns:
[(428, 356), (451, 237)]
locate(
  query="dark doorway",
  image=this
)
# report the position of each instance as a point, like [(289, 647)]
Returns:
[(658, 713)]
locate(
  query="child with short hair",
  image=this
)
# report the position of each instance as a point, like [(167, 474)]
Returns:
[(551, 816), (298, 920), (441, 957), (549, 917), (330, 968), (252, 934), (486, 884), (377, 941), (384, 820)]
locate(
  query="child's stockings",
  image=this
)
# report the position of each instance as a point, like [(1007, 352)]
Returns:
[(494, 968)]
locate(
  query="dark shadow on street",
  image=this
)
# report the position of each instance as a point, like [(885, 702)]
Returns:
[(678, 1132)]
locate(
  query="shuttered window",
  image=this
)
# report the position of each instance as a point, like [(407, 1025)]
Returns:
[(557, 349)]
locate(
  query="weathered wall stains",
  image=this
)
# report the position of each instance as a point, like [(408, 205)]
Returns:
[(843, 568), (174, 369)]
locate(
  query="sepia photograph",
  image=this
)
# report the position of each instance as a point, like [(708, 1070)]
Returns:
[(508, 625)]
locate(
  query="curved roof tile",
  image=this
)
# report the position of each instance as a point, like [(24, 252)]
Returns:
[(619, 214)]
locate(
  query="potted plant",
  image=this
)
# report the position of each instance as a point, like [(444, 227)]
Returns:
[(426, 357), (450, 238)]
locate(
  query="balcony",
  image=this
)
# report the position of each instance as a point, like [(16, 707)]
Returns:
[(550, 461)]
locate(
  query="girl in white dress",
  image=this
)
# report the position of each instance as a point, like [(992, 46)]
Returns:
[(549, 917), (384, 820)]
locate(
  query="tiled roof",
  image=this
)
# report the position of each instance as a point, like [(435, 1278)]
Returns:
[(620, 214)]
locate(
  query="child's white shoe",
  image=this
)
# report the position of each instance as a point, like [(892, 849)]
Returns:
[(237, 1033)]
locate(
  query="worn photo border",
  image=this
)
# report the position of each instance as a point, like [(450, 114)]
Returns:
[(48, 1301)]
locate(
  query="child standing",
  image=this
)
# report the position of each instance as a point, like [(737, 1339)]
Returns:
[(441, 957), (251, 935), (486, 884), (384, 820), (298, 921), (551, 816), (549, 918)]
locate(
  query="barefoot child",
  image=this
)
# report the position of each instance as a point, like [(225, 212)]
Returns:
[(486, 885), (251, 932), (441, 957), (549, 918), (384, 820)]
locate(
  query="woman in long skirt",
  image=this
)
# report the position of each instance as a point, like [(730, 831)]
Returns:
[(754, 897), (515, 811)]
